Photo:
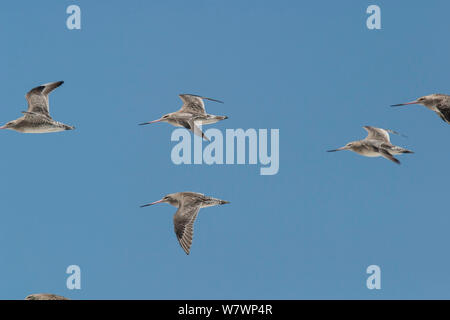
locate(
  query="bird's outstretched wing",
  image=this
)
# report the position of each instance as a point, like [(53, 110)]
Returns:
[(385, 154), (194, 104), (197, 131), (38, 98), (379, 134), (191, 125), (183, 222)]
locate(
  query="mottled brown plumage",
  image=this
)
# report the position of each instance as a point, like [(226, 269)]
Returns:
[(188, 204), (191, 115), (376, 144), (45, 296), (37, 118), (439, 103)]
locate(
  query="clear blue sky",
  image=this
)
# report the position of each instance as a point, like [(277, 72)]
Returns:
[(311, 69)]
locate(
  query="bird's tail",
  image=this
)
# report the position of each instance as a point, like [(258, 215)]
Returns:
[(213, 202), (211, 119)]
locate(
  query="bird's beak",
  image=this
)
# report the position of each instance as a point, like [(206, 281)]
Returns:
[(4, 127), (404, 104), (339, 149), (142, 124), (150, 204)]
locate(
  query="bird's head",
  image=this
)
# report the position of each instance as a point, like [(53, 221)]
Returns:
[(348, 146), (172, 199), (427, 101), (164, 118)]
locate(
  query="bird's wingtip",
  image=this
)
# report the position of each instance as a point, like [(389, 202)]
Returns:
[(56, 84), (211, 99)]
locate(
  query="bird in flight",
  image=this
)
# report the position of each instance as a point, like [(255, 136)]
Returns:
[(439, 103), (188, 204), (37, 118), (45, 296), (376, 144), (191, 115)]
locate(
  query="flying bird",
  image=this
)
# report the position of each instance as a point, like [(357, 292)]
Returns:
[(188, 204), (191, 115), (37, 118), (45, 296), (376, 144), (439, 103)]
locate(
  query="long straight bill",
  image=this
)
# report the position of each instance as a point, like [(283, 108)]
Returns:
[(144, 123), (150, 204), (339, 149), (404, 104)]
